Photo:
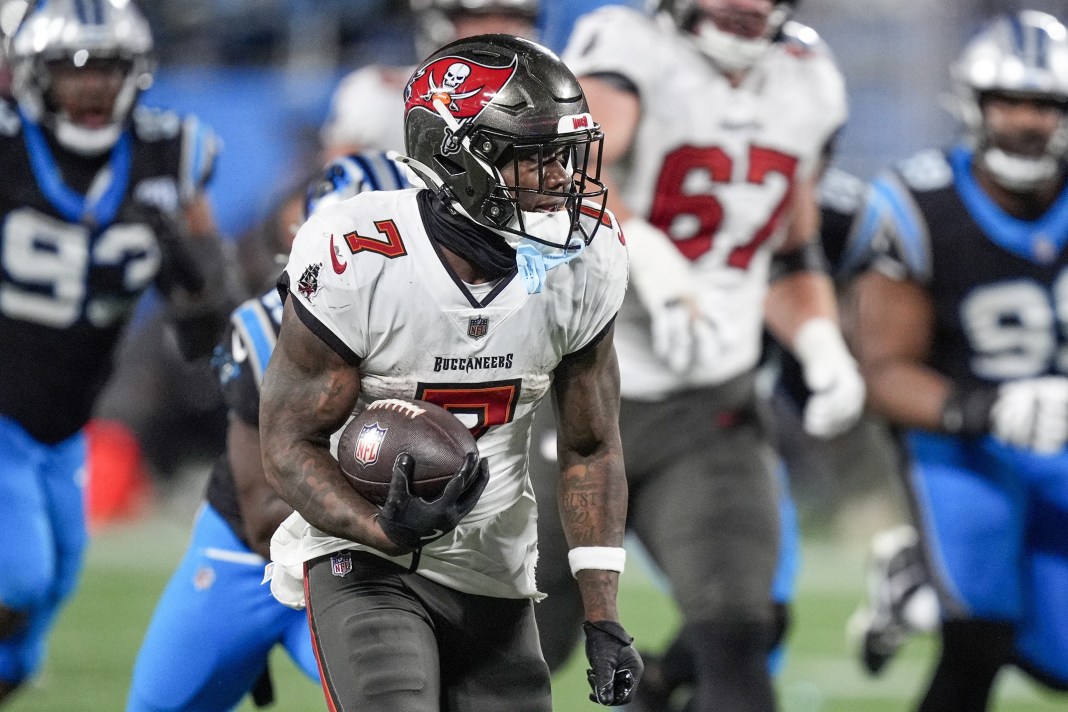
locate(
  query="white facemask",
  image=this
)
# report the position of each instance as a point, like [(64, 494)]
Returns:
[(1019, 173), (730, 53)]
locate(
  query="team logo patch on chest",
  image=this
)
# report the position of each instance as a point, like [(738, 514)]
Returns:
[(341, 564), (308, 284), (369, 443), (477, 327)]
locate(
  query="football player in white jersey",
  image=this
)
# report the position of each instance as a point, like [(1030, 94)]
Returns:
[(483, 293), (719, 115), (366, 109)]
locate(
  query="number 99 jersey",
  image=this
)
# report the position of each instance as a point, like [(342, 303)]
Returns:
[(999, 285), (712, 165)]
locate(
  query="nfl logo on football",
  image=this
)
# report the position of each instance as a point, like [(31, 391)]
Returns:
[(369, 443), (477, 326)]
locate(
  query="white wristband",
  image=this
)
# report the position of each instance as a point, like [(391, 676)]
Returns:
[(604, 558)]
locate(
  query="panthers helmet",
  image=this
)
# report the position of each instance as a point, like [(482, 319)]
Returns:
[(351, 175), (77, 31), (434, 18), (475, 107), (730, 51), (1023, 54)]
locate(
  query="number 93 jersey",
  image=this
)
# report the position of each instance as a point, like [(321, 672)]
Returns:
[(713, 165), (999, 285), (365, 276), (74, 260)]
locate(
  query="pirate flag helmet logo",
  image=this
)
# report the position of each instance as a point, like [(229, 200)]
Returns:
[(459, 86)]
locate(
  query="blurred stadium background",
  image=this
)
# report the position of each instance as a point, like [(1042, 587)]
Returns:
[(260, 72)]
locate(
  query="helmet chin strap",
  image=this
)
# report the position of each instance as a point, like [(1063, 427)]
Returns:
[(533, 258), (729, 52)]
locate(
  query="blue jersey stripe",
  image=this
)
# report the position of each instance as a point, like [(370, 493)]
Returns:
[(402, 182), (910, 232), (69, 203), (262, 343), (860, 247), (1021, 237), (368, 171)]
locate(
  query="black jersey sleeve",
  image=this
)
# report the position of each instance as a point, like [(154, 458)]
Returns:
[(242, 356), (241, 391)]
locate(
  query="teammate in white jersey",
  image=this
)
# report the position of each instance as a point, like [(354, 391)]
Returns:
[(367, 107), (484, 292), (718, 117)]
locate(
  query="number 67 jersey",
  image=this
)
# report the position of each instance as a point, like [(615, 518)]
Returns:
[(711, 165), (365, 277)]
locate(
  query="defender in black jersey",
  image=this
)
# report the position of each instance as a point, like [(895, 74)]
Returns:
[(94, 195), (220, 577), (962, 338)]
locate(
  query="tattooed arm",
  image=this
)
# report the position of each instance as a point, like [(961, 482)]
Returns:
[(308, 392), (593, 485)]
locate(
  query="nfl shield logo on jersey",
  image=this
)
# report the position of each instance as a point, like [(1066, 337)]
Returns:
[(369, 443), (341, 563), (477, 326)]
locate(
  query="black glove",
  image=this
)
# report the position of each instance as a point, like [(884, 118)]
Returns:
[(411, 521), (179, 265), (195, 277), (615, 666)]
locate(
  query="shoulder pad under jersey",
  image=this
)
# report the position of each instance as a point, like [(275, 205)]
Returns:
[(925, 171)]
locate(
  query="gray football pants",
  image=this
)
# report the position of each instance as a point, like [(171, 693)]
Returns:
[(392, 641)]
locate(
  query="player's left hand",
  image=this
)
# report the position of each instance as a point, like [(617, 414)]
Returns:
[(832, 375), (615, 666), (411, 521)]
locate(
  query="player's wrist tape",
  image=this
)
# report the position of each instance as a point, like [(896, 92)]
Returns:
[(808, 257), (966, 411), (604, 558)]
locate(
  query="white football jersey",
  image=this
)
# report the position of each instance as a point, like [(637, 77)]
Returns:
[(379, 293), (712, 166), (367, 110)]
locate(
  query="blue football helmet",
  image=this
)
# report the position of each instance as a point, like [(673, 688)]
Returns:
[(1023, 55)]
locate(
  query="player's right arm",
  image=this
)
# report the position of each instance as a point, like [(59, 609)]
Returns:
[(308, 392), (894, 331)]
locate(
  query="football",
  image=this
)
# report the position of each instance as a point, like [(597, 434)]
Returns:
[(375, 437)]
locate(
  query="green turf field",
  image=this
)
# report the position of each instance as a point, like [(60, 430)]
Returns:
[(98, 635)]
